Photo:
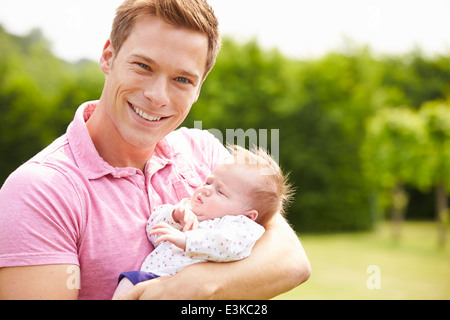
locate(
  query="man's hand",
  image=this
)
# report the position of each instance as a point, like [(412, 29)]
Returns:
[(183, 215), (168, 288), (169, 233)]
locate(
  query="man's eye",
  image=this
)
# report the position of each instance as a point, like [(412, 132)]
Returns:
[(143, 66), (182, 80)]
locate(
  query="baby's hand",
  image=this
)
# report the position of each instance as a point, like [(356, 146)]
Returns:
[(169, 233), (184, 216)]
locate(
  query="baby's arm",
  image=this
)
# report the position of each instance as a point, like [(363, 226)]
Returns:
[(229, 238), (161, 214), (183, 215), (169, 233), (167, 220)]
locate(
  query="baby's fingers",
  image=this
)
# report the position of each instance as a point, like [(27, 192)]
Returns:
[(191, 224), (163, 238), (160, 228)]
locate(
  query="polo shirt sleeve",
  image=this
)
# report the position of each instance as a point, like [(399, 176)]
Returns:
[(39, 218)]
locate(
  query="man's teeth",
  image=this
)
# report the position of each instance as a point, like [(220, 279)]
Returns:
[(144, 115)]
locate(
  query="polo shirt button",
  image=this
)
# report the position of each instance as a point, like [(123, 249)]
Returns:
[(124, 173), (120, 174)]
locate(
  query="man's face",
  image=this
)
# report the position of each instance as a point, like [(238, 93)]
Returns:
[(154, 79)]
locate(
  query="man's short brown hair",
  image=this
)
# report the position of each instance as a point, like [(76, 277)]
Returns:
[(195, 15)]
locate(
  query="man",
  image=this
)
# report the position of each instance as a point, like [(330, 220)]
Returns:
[(69, 215)]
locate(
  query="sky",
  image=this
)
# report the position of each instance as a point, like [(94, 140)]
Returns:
[(299, 28)]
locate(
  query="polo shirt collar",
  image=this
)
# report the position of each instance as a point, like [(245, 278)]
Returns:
[(87, 157), (83, 149)]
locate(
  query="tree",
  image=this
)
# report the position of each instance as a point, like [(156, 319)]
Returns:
[(436, 163), (39, 94), (404, 146), (392, 154)]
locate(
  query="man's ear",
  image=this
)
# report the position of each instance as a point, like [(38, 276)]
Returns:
[(107, 57), (251, 214)]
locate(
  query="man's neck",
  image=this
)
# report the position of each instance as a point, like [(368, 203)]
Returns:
[(111, 146)]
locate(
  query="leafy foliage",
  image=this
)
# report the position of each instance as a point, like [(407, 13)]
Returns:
[(39, 94)]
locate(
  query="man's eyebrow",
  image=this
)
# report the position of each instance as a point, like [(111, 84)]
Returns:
[(142, 57)]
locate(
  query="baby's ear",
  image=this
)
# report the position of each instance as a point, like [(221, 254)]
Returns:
[(251, 214)]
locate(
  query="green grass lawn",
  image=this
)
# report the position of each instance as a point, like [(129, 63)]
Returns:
[(413, 268)]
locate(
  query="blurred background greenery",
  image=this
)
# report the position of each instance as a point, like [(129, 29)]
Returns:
[(365, 136)]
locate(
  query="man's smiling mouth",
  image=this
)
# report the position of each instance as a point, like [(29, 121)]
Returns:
[(144, 115)]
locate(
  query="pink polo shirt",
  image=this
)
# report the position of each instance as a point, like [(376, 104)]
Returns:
[(68, 206)]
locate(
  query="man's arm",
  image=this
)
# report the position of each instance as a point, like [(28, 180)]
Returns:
[(49, 282), (39, 203), (277, 264)]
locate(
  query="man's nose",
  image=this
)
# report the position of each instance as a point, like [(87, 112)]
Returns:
[(156, 90)]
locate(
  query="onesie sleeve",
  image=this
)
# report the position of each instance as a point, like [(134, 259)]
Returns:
[(162, 213), (229, 238)]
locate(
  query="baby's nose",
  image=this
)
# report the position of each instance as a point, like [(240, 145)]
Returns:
[(206, 191)]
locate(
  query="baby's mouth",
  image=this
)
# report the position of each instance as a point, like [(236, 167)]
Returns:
[(199, 198)]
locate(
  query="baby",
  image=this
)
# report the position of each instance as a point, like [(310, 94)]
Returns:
[(220, 222)]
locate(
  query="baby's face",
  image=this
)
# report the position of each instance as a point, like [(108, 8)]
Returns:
[(225, 192)]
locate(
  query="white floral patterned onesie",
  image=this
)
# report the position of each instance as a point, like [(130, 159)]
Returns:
[(223, 239)]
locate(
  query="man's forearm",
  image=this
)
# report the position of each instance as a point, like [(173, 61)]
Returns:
[(277, 264), (47, 282)]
